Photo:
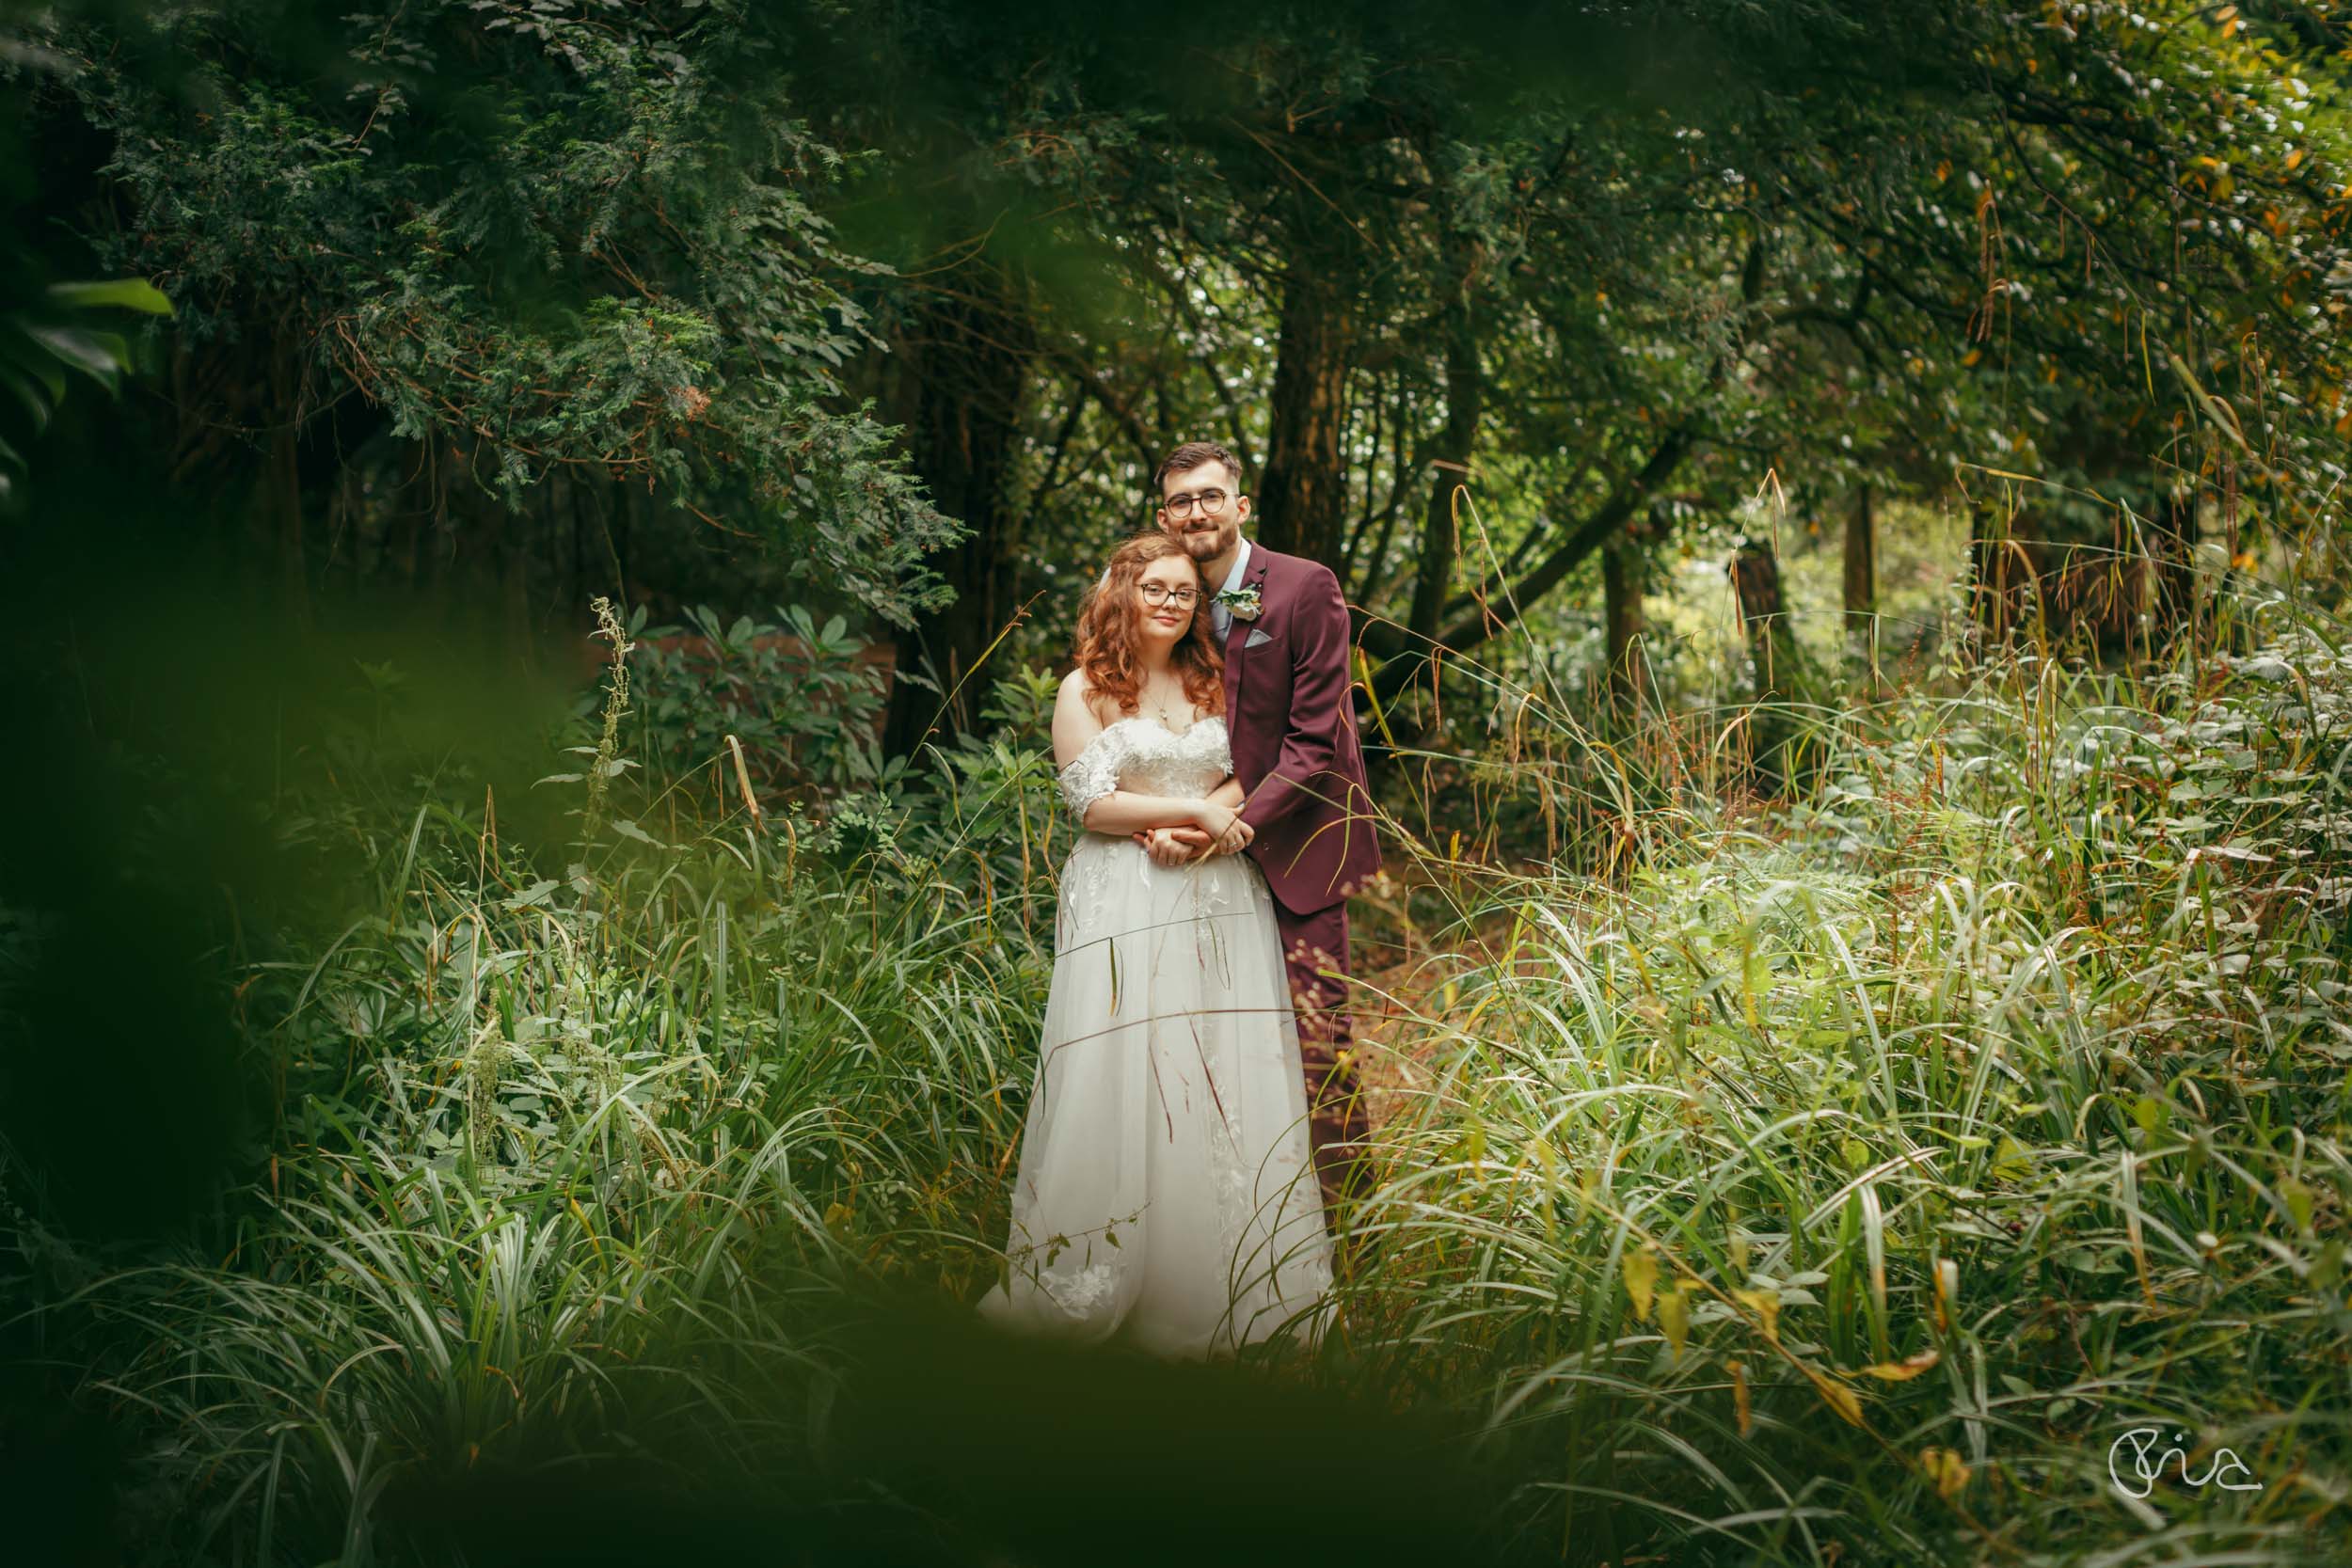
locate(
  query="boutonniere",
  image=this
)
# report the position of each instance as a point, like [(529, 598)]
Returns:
[(1242, 602)]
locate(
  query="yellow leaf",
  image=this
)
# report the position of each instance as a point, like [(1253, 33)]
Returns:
[(1766, 1306), (2294, 158), (1739, 1396), (1945, 1469), (2011, 1158), (1674, 1318), (1641, 1280), (1841, 1399), (1907, 1368)]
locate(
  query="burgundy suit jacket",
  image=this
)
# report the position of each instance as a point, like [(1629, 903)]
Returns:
[(1292, 723)]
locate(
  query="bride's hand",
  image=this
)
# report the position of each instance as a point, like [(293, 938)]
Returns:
[(1164, 847), (1193, 841), (1228, 833), (1173, 847)]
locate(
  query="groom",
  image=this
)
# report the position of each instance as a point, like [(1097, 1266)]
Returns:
[(1283, 625)]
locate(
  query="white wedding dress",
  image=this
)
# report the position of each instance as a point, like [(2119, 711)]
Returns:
[(1167, 1196)]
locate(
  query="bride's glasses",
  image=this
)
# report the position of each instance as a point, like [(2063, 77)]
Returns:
[(1160, 593), (1212, 502)]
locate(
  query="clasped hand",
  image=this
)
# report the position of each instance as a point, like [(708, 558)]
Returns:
[(1222, 832)]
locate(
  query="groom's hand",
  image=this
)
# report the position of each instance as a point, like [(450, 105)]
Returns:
[(1162, 849), (1172, 847)]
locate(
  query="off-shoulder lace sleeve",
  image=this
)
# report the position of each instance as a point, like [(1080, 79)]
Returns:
[(1092, 774)]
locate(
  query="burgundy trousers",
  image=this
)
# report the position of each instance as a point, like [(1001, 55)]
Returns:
[(1315, 949)]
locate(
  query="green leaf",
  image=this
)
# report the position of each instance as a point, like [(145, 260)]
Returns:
[(37, 407), (128, 294), (35, 360), (2298, 1199), (100, 355)]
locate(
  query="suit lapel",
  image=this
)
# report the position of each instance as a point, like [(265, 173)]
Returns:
[(1237, 639)]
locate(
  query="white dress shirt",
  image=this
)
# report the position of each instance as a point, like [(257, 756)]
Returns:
[(1221, 617)]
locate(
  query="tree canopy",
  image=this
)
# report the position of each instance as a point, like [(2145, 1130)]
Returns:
[(905, 302)]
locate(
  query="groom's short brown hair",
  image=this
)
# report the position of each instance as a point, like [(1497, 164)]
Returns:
[(1191, 455)]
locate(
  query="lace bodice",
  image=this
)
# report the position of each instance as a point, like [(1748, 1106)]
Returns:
[(1145, 757)]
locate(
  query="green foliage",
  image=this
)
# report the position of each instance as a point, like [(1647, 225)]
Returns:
[(1861, 1180), (1846, 1179), (572, 1151), (803, 700), (542, 238), (1772, 1184), (51, 335)]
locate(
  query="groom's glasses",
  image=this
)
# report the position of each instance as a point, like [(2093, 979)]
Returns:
[(1160, 593), (1212, 502)]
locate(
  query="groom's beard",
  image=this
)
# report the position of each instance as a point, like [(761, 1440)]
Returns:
[(1208, 544)]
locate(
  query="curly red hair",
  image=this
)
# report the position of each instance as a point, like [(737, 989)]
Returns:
[(1108, 619)]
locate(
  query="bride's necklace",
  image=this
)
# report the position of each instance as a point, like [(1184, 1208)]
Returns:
[(1162, 703)]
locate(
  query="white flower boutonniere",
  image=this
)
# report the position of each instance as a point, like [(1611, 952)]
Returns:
[(1242, 603)]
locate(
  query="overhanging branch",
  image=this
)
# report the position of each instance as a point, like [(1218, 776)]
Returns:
[(1390, 641)]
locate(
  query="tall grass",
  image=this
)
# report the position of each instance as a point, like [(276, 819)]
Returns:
[(1848, 1181), (1832, 1181), (579, 1154)]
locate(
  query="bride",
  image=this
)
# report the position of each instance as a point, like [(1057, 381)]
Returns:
[(1165, 1198)]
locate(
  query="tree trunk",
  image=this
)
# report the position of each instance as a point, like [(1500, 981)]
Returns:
[(1623, 575), (1862, 567), (1440, 540), (1773, 649), (964, 366), (1302, 497)]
